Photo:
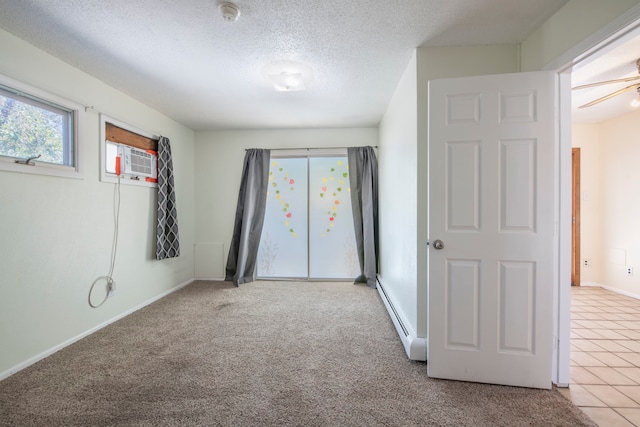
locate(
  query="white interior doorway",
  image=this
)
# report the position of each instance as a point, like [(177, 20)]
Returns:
[(586, 52)]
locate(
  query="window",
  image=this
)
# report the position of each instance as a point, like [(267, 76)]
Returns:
[(308, 226), (38, 127), (135, 150)]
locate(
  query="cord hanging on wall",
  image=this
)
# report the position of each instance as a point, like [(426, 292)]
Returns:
[(110, 284)]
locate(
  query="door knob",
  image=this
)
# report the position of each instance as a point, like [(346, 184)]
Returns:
[(438, 244)]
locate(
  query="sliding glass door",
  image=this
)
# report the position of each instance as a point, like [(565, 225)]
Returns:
[(284, 242), (308, 227), (332, 244)]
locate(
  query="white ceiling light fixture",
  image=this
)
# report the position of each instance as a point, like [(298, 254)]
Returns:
[(636, 101), (230, 11), (287, 76), (287, 81)]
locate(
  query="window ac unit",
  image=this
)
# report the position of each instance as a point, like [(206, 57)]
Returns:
[(138, 162)]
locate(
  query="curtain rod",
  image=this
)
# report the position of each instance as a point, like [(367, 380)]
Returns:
[(312, 148)]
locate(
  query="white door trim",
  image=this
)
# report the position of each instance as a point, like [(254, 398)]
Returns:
[(602, 40)]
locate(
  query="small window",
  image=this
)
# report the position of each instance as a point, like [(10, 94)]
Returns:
[(37, 131), (128, 152)]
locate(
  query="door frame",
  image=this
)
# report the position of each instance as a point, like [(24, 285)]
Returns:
[(606, 38), (575, 217)]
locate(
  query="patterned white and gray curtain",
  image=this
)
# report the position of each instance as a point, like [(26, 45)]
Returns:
[(363, 176), (168, 242)]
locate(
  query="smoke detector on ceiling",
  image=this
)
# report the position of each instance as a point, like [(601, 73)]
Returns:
[(229, 11)]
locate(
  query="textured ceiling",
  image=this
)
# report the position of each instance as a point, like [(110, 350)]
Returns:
[(183, 59)]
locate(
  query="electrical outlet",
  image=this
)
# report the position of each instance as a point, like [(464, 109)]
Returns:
[(111, 288), (629, 271), (586, 262)]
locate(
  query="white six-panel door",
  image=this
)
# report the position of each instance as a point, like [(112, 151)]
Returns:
[(492, 145)]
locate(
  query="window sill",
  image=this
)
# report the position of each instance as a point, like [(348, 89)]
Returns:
[(127, 180), (8, 164)]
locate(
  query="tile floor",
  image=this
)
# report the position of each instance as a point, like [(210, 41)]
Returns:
[(605, 356)]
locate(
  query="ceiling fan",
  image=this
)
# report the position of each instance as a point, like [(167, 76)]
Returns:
[(635, 86)]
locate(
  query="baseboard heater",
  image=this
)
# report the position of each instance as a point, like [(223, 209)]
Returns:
[(394, 313), (415, 347)]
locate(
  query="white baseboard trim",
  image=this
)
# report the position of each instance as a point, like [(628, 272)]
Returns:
[(612, 289), (590, 284), (49, 352), (414, 346)]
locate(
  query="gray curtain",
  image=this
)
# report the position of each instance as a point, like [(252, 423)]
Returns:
[(363, 177), (247, 229), (167, 241)]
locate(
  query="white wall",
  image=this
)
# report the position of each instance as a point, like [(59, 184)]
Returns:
[(612, 152), (219, 157), (586, 136), (620, 174), (55, 233), (573, 23), (404, 169), (398, 194)]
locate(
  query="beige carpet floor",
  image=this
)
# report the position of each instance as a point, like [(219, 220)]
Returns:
[(264, 354)]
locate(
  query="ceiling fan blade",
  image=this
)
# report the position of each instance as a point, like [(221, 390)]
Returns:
[(627, 79), (611, 95)]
